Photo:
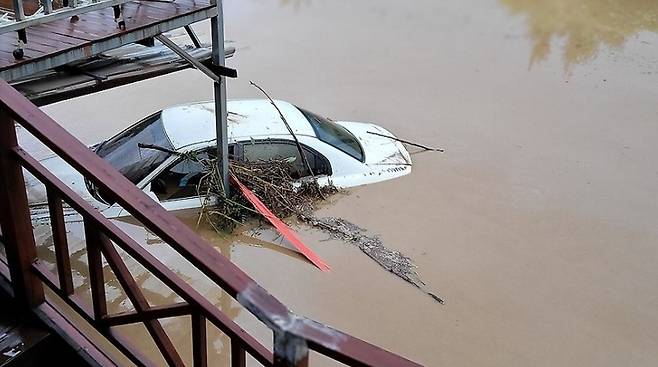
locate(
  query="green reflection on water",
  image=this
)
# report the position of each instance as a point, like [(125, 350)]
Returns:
[(586, 25)]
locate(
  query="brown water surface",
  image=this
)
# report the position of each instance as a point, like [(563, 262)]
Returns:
[(537, 226)]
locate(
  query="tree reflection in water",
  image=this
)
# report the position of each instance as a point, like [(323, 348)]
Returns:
[(586, 25), (157, 293)]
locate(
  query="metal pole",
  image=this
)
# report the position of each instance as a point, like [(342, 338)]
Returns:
[(218, 58), (19, 13), (187, 57)]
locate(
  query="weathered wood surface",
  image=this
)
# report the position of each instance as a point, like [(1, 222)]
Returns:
[(26, 342), (29, 6), (64, 35)]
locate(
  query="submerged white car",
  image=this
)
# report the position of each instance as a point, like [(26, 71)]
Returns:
[(346, 154)]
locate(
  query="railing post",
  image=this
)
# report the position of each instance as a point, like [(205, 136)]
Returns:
[(289, 350), (199, 341), (15, 220), (19, 13), (238, 355), (95, 262), (47, 6)]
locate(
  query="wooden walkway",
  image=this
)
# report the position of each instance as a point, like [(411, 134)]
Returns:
[(63, 41), (24, 341)]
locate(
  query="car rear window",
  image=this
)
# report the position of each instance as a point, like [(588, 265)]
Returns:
[(334, 135)]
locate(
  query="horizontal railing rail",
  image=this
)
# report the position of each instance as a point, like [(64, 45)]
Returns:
[(293, 336), (47, 13)]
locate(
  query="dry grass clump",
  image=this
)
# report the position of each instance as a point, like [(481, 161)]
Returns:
[(270, 180)]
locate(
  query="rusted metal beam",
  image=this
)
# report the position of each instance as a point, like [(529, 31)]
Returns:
[(15, 220), (60, 243), (47, 92), (193, 36), (215, 75)]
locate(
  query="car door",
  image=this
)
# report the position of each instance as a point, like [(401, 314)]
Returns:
[(176, 186), (266, 149)]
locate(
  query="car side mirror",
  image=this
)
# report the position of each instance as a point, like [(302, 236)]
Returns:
[(158, 186)]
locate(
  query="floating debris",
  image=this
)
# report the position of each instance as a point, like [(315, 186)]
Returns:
[(393, 261), (273, 184), (272, 181)]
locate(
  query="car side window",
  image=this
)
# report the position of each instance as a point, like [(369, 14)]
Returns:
[(181, 180), (263, 150)]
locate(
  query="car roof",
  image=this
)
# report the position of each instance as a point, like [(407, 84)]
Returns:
[(195, 123)]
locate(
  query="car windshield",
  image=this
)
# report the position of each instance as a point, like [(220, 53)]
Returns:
[(124, 153), (334, 135)]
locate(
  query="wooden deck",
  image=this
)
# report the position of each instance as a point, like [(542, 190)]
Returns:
[(24, 341), (62, 41)]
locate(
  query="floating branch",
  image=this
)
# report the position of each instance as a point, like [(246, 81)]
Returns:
[(299, 146)]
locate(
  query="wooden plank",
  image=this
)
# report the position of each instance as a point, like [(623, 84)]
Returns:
[(152, 313), (134, 293), (95, 261), (103, 35), (60, 243), (41, 37), (41, 33), (238, 354), (7, 57), (9, 42), (20, 343), (61, 14), (199, 341), (9, 47), (91, 27), (105, 14), (30, 6), (61, 324), (69, 32), (79, 306), (20, 247), (162, 272), (37, 45)]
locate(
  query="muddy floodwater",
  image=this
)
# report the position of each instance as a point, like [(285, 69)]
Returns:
[(539, 224)]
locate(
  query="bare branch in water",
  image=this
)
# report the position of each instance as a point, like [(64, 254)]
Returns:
[(299, 146)]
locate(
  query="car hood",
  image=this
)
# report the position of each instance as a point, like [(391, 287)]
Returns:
[(378, 150), (36, 191)]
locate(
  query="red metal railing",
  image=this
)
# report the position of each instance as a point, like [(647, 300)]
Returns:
[(293, 335)]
